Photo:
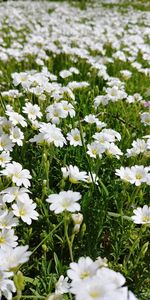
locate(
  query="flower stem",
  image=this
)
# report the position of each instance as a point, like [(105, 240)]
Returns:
[(41, 243), (70, 243)]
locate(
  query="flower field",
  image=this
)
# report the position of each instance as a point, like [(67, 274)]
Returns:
[(75, 150)]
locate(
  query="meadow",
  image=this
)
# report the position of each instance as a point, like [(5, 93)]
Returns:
[(74, 150)]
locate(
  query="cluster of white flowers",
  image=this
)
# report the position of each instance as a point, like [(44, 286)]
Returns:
[(24, 207), (10, 258), (50, 134), (135, 175), (59, 110), (104, 142), (92, 280), (139, 146), (48, 103)]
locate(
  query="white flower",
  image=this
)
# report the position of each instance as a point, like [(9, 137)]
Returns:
[(114, 94), (7, 219), (139, 146), (95, 149), (74, 174), (26, 211), (21, 78), (145, 118), (139, 174), (13, 257), (102, 262), (101, 99), (33, 111), (7, 238), (91, 119), (77, 85), (111, 278), (5, 143), (68, 108), (126, 74), (62, 285), (55, 112), (135, 175), (92, 289), (85, 268), (4, 158), (92, 178), (74, 70), (15, 193), (74, 137), (112, 149), (18, 175), (65, 73), (64, 201), (124, 173), (52, 134), (16, 135), (7, 286), (141, 215), (16, 118)]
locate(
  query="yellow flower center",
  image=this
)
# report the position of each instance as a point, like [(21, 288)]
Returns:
[(146, 219), (139, 176), (22, 212), (2, 240), (95, 294), (84, 275), (76, 137)]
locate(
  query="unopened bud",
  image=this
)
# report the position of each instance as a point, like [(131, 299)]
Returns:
[(19, 281)]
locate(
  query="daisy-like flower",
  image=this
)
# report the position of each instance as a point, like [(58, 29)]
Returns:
[(7, 286), (141, 215), (65, 73), (92, 177), (26, 211), (52, 134), (15, 193), (95, 149), (139, 174), (13, 257), (74, 137), (7, 219), (55, 112), (85, 268), (135, 175), (62, 285), (5, 143), (74, 174), (139, 146), (145, 118), (18, 175), (4, 158), (91, 289), (124, 173), (33, 111), (16, 135), (91, 119), (112, 149), (68, 108), (16, 118), (126, 74), (64, 201), (7, 238)]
